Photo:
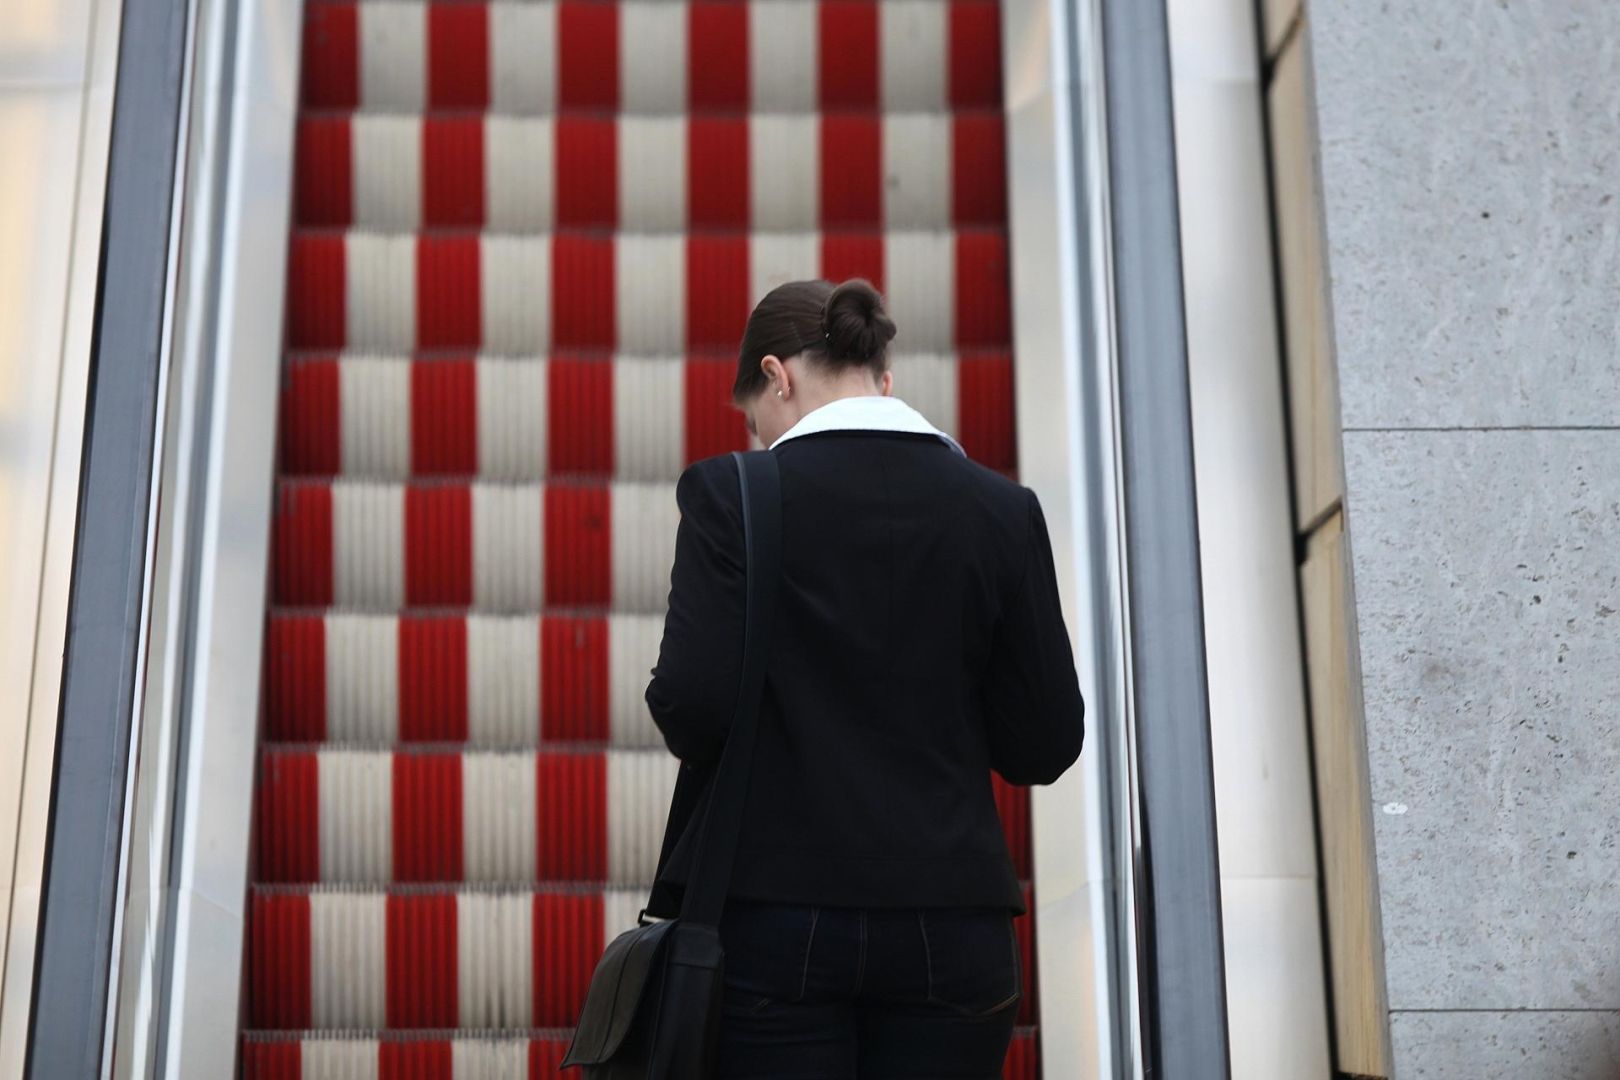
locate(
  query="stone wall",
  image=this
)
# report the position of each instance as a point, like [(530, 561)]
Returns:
[(1467, 181)]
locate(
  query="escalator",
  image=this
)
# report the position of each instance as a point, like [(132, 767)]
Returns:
[(525, 240)]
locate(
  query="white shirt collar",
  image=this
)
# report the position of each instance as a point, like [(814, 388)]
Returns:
[(867, 412)]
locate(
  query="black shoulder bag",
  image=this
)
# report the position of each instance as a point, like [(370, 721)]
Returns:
[(653, 1008)]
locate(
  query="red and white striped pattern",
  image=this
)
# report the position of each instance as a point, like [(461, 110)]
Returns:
[(646, 294), (428, 959), (364, 816), (485, 680), (654, 56), (379, 817), (528, 418), (380, 546), (763, 171), (526, 239), (462, 1058), (435, 959)]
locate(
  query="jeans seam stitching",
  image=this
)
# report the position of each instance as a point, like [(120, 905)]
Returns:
[(1018, 968), (860, 967), (804, 975), (997, 1007), (928, 953)]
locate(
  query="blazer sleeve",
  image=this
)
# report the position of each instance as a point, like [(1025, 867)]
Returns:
[(695, 683), (1032, 701)]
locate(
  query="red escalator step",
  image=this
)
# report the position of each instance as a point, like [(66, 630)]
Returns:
[(422, 972), (579, 404), (449, 304), (432, 680), (571, 819), (272, 1061), (579, 552), (289, 823), (717, 64), (975, 54), (853, 255), (582, 296), (278, 960), (573, 679), (848, 54), (985, 422), (588, 54), (567, 944), (851, 186), (978, 169), (444, 418), (458, 55), (983, 313), (425, 1060), (295, 678), (717, 302), (331, 63), (453, 170), (325, 172), (587, 172), (303, 545), (717, 169), (316, 291), (438, 546), (427, 817), (312, 419)]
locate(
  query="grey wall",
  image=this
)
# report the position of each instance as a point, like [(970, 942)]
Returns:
[(1470, 169)]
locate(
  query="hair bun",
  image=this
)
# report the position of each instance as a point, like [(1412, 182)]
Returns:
[(857, 327)]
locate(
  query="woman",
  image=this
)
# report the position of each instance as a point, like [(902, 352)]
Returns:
[(919, 643)]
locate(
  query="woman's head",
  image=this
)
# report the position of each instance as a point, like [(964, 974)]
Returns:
[(808, 343)]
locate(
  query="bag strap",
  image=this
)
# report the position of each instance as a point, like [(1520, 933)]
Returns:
[(716, 852)]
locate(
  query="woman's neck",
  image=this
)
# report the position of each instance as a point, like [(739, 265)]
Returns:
[(820, 392)]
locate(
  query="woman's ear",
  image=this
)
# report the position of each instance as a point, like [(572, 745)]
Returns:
[(887, 385), (771, 367)]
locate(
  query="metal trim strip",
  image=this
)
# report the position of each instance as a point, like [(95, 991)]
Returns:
[(1182, 988), (103, 654), (1064, 387)]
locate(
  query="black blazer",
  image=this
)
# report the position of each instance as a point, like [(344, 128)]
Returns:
[(919, 643)]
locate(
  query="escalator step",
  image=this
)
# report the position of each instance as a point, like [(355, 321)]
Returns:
[(463, 415), (778, 172), (459, 1056), (647, 294), (376, 817), (654, 56), (487, 680), (356, 816), (453, 957)]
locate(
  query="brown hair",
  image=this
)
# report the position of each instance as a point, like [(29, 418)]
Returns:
[(837, 326)]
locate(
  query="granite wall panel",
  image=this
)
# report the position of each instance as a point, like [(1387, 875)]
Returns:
[(1471, 171), (1508, 1045)]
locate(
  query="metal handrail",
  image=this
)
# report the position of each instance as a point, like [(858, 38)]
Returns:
[(178, 962)]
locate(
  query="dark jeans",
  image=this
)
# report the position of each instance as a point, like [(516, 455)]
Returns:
[(825, 993)]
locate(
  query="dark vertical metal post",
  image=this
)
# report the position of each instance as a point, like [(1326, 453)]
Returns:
[(74, 959), (1183, 975)]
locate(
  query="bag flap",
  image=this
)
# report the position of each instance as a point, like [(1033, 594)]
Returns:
[(617, 987)]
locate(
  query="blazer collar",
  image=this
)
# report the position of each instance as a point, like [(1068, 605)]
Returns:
[(870, 412)]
